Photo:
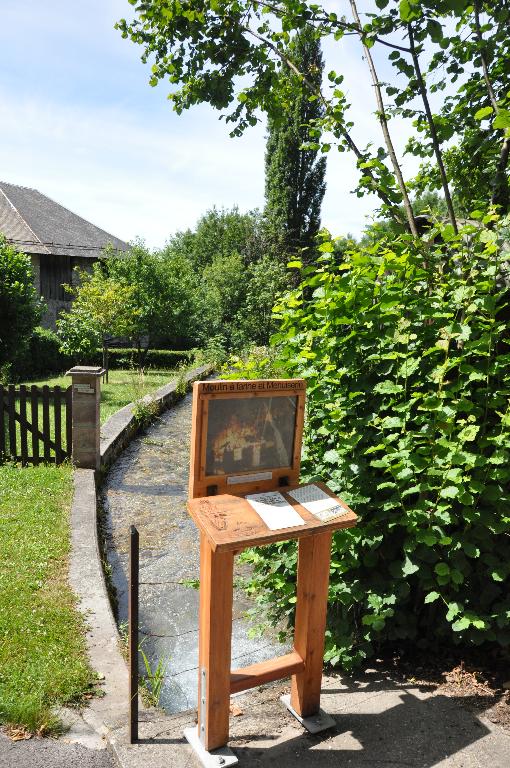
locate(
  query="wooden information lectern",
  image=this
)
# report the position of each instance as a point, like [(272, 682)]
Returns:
[(246, 439)]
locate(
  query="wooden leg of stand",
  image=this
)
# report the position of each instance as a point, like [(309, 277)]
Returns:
[(311, 607), (215, 628)]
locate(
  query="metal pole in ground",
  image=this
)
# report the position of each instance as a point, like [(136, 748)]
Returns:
[(133, 633)]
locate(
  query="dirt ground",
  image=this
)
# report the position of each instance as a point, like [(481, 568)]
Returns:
[(479, 681)]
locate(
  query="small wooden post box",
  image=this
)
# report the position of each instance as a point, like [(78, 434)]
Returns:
[(246, 439)]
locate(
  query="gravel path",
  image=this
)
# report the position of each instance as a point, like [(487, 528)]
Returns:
[(51, 753)]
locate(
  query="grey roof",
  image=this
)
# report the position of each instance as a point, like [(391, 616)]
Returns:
[(36, 224)]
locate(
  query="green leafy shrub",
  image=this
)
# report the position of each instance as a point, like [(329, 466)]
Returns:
[(156, 358), (257, 363), (214, 352), (42, 356), (405, 349), (20, 307), (145, 411)]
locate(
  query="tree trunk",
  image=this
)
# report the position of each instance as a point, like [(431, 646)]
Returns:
[(383, 120), (144, 352), (105, 362), (500, 192), (432, 127)]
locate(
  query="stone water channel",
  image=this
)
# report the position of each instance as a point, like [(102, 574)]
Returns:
[(147, 487)]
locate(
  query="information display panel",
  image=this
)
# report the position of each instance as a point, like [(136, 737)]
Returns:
[(246, 435)]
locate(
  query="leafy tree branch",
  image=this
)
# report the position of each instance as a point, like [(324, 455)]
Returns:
[(383, 120)]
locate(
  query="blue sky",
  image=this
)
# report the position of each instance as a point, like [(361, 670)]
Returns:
[(81, 124)]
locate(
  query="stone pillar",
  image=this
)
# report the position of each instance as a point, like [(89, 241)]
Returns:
[(86, 383)]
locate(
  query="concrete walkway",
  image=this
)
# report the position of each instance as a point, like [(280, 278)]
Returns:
[(379, 724), (51, 753)]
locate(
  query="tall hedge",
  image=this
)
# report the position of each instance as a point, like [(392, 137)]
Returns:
[(42, 357), (405, 347)]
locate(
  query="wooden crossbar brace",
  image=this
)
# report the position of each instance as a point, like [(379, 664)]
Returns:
[(266, 672), (41, 435), (304, 664)]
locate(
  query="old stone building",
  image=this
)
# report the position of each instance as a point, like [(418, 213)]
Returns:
[(56, 240)]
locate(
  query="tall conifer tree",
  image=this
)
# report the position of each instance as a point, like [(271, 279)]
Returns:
[(295, 183)]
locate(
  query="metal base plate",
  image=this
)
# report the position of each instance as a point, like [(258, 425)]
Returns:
[(314, 724), (218, 758)]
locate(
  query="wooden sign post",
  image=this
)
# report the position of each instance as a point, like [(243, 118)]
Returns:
[(245, 492)]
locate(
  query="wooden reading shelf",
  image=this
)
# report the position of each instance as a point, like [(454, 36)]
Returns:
[(230, 523)]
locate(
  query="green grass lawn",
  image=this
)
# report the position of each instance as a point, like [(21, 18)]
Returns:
[(43, 660), (124, 386)]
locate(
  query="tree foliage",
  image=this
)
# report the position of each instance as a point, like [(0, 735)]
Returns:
[(221, 233), (237, 277), (476, 116), (224, 287), (20, 307), (229, 53), (163, 298), (102, 307), (405, 349), (267, 280), (295, 184), (147, 297), (198, 291)]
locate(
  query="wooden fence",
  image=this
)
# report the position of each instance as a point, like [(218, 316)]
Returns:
[(35, 424)]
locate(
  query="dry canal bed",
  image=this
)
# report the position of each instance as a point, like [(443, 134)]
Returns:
[(147, 487)]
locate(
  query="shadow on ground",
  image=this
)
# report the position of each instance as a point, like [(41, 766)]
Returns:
[(389, 728), (379, 723)]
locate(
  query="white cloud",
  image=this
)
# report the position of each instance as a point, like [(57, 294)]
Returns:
[(126, 174), (81, 124), (148, 178)]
